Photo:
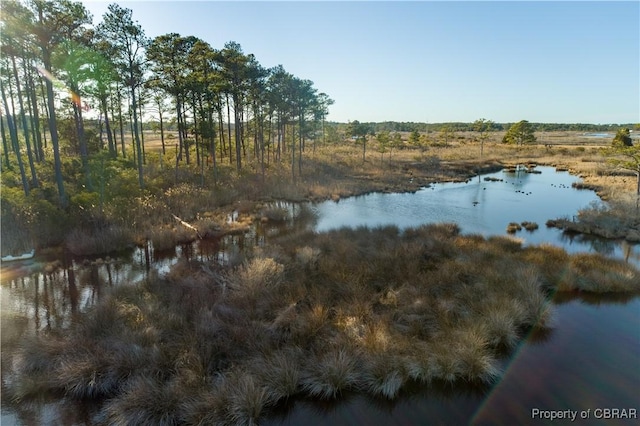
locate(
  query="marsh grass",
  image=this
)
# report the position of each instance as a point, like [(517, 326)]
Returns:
[(619, 218), (598, 274), (315, 316), (331, 172), (327, 375), (106, 239)]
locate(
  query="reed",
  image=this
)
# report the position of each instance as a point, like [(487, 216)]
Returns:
[(477, 363), (500, 327), (163, 238), (280, 372)]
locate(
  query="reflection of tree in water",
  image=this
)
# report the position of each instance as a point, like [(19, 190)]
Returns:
[(604, 246), (599, 245), (629, 252), (517, 178), (54, 300)]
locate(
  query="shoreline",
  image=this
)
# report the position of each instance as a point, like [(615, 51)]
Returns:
[(333, 174)]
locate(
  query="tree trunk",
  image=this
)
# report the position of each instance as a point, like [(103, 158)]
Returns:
[(222, 144), (195, 130), (213, 146), (131, 130), (35, 114), (124, 152), (14, 140), (179, 124), (25, 127), (134, 105), (84, 154), (229, 129), (161, 128), (237, 133), (301, 142), (46, 113), (144, 156), (107, 125), (293, 153), (5, 145), (279, 125)]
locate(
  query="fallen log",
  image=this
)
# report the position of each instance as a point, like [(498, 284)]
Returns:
[(187, 225)]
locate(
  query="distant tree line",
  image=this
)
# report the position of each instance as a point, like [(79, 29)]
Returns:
[(396, 126)]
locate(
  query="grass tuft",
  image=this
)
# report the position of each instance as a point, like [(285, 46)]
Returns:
[(327, 376)]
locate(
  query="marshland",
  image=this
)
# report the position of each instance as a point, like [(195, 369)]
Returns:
[(190, 236), (292, 308)]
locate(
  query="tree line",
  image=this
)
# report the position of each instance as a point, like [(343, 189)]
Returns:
[(56, 66), (396, 126)]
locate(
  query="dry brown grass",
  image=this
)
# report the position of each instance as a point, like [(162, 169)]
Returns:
[(334, 172), (318, 315)]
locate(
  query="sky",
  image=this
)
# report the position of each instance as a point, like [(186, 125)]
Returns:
[(423, 61)]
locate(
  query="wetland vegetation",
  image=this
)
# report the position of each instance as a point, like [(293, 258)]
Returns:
[(314, 315)]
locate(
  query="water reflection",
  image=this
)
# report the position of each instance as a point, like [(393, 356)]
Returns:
[(590, 362), (485, 207), (436, 404), (591, 329)]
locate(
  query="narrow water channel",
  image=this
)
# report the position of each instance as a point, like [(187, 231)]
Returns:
[(591, 359)]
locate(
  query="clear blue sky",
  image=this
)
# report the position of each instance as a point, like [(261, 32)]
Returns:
[(432, 62)]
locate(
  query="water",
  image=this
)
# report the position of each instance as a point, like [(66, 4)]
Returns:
[(482, 206), (590, 361), (594, 348), (600, 135)]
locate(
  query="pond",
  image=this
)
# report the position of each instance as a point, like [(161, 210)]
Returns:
[(483, 205), (601, 333), (600, 135)]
